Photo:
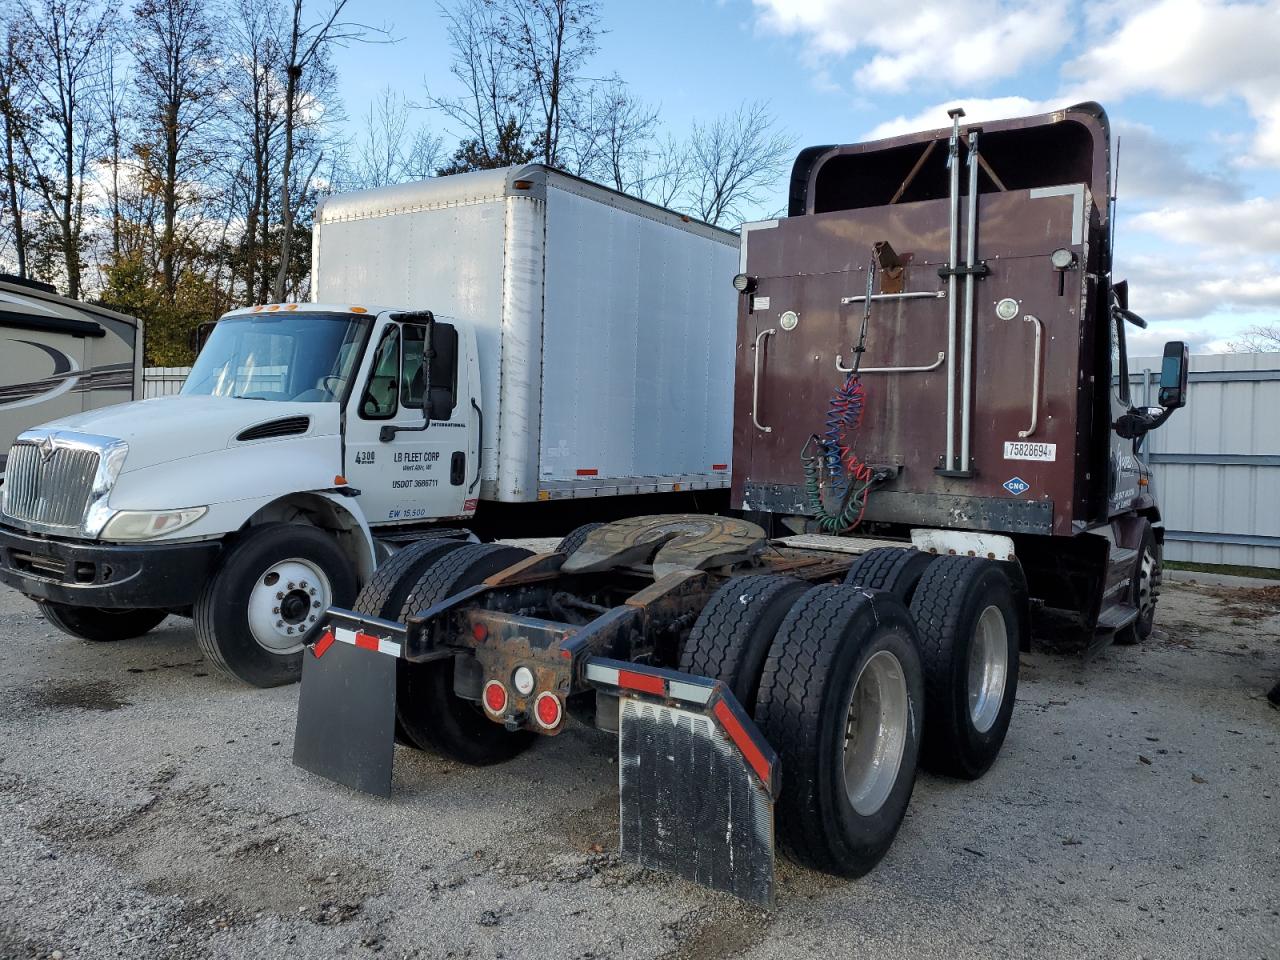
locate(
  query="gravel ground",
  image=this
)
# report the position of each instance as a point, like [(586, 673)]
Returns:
[(149, 809)]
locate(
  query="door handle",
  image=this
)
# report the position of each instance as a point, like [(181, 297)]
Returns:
[(479, 441), (755, 381), (1035, 376)]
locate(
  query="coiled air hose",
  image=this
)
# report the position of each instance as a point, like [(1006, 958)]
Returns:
[(837, 482)]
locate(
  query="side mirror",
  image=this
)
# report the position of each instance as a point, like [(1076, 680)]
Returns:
[(1121, 292), (1174, 370), (200, 335)]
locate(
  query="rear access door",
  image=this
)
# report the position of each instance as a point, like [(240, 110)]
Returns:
[(799, 330)]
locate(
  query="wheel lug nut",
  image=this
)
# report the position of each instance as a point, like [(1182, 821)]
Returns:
[(313, 619), (279, 623), (313, 591), (302, 584), (316, 604), (290, 584), (275, 609), (279, 596), (290, 630)]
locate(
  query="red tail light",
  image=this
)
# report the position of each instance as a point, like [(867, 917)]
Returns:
[(548, 711), (495, 697)]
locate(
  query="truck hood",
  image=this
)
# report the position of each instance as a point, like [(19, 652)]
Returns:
[(164, 429)]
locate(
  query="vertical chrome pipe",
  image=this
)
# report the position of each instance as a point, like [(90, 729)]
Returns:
[(970, 260), (953, 261)]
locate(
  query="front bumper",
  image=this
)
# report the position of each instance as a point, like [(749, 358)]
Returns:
[(90, 574)]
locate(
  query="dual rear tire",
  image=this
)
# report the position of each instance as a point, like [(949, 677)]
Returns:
[(854, 689)]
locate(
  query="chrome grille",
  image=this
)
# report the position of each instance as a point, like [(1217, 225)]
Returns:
[(52, 490)]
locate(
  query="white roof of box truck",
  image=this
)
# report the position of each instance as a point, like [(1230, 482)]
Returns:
[(528, 180)]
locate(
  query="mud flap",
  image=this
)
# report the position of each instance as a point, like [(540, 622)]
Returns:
[(347, 715), (696, 780)]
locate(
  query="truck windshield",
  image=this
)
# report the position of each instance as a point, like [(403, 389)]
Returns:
[(306, 357)]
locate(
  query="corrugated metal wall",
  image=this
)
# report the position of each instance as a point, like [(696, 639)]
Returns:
[(1217, 460), (163, 381)]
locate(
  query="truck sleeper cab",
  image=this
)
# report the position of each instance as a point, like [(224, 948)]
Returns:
[(926, 363)]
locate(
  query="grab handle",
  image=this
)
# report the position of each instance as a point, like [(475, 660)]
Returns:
[(755, 382), (1035, 376)]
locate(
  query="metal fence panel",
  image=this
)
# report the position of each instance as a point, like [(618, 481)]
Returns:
[(163, 381), (1217, 461)]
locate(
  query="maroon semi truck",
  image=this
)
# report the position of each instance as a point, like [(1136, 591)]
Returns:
[(933, 436)]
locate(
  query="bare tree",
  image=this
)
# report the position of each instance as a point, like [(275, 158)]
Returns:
[(611, 139), (60, 41), (1260, 338), (116, 83), (667, 172), (307, 48), (547, 43), (733, 159), (14, 117), (492, 105), (179, 86), (388, 150)]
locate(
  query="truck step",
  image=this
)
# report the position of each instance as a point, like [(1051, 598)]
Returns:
[(1116, 617)]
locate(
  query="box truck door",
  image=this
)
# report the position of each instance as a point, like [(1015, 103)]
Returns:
[(406, 474)]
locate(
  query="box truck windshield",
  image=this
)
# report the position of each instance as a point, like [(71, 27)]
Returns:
[(303, 357)]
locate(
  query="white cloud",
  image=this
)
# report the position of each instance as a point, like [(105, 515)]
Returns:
[(1250, 228), (976, 110), (1153, 168), (962, 42), (1175, 287), (1203, 50)]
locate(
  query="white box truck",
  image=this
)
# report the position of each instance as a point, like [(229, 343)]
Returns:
[(503, 342)]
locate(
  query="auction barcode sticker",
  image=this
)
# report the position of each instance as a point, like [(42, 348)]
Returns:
[(1021, 450)]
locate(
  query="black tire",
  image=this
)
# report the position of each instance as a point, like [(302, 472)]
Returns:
[(732, 635), (573, 540), (1144, 588), (221, 613), (98, 624), (384, 595), (896, 569), (822, 649), (951, 599), (428, 712)]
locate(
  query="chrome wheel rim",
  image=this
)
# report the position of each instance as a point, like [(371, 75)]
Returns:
[(988, 668), (875, 732), (286, 600)]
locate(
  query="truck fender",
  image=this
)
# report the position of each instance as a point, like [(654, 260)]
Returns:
[(329, 511)]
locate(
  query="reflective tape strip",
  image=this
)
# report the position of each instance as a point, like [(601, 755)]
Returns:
[(599, 674), (644, 682), (698, 693), (738, 734), (366, 641)]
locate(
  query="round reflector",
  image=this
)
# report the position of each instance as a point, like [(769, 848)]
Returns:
[(495, 697), (548, 710), (523, 681)]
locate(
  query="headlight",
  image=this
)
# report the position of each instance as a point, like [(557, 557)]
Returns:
[(146, 524)]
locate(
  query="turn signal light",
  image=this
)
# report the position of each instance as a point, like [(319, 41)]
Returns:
[(547, 710), (495, 697)]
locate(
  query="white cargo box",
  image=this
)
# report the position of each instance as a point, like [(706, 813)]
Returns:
[(605, 325)]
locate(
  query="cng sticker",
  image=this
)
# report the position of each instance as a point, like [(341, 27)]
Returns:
[(1016, 485)]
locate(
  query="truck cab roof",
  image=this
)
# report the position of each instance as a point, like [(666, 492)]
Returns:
[(372, 310)]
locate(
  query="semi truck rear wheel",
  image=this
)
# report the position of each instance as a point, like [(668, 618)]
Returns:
[(1144, 589), (98, 624), (896, 569), (271, 586), (732, 635), (970, 631), (428, 712), (384, 595), (842, 701)]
